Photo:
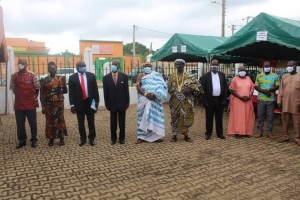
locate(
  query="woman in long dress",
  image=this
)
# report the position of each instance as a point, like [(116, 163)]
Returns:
[(241, 118), (52, 99)]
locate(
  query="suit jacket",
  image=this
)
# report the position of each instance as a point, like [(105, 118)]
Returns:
[(116, 97), (206, 83), (75, 92)]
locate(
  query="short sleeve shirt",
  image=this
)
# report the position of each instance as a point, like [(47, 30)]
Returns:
[(267, 81), (24, 86)]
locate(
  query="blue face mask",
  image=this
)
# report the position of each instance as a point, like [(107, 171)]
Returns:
[(114, 68), (81, 69), (147, 70)]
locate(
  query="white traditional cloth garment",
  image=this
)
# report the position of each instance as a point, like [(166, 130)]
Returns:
[(151, 120)]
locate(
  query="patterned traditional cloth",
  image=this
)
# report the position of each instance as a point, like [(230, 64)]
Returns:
[(267, 81), (151, 120), (182, 106), (241, 118), (52, 93)]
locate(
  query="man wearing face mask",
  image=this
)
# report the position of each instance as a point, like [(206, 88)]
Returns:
[(266, 84), (116, 98), (152, 92), (289, 101), (183, 88), (83, 90), (215, 90), (25, 86)]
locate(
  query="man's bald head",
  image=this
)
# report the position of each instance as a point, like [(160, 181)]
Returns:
[(23, 61)]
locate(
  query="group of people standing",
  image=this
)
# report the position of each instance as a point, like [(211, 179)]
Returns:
[(152, 90)]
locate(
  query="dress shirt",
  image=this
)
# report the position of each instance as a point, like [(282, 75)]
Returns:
[(216, 84)]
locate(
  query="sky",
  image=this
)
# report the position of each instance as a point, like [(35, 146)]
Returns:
[(62, 23)]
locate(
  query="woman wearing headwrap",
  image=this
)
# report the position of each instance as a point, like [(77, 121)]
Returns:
[(182, 87), (52, 99)]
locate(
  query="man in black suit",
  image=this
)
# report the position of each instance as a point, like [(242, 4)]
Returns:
[(215, 89), (83, 91), (116, 98)]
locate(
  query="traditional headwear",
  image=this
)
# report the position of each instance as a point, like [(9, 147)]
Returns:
[(147, 64), (179, 60)]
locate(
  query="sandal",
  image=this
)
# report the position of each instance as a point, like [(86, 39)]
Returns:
[(174, 138), (61, 142), (50, 143), (139, 141), (187, 139)]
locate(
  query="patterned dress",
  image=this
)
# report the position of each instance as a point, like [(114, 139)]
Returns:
[(182, 106), (52, 91), (241, 117)]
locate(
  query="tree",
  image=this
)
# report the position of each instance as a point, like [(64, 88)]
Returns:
[(66, 53), (140, 49)]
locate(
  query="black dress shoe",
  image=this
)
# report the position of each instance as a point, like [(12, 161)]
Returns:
[(92, 142), (82, 142), (207, 137), (222, 137), (34, 144), (112, 142), (122, 142), (21, 144)]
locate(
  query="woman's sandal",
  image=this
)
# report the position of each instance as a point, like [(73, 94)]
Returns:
[(61, 142), (51, 142)]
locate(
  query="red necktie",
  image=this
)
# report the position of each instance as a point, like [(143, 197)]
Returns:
[(115, 79), (83, 87)]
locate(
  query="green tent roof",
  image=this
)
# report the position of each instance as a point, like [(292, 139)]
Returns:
[(198, 48), (282, 41)]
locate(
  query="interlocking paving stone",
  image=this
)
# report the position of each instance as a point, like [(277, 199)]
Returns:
[(245, 168)]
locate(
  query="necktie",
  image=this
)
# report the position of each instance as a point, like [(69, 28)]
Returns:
[(115, 79), (83, 87)]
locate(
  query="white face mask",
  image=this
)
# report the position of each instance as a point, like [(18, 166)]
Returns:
[(242, 73), (267, 69), (21, 66), (290, 69)]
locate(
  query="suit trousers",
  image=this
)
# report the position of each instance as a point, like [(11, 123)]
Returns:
[(214, 109), (90, 115), (114, 116), (20, 119), (285, 125)]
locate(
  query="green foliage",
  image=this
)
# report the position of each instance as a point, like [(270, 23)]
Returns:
[(140, 49), (66, 53)]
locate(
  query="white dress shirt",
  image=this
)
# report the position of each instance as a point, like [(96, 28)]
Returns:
[(216, 84), (85, 83)]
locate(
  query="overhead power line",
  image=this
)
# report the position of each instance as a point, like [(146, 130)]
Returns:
[(153, 30)]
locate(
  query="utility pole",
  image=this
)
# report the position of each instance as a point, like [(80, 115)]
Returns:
[(223, 18), (223, 15), (248, 17), (133, 47), (233, 28), (150, 50)]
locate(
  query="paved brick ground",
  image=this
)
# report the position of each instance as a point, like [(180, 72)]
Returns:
[(246, 168)]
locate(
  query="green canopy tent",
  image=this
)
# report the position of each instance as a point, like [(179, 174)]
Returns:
[(193, 48), (265, 37)]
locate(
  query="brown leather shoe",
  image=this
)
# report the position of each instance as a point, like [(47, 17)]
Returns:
[(258, 135), (270, 136), (297, 142), (283, 140)]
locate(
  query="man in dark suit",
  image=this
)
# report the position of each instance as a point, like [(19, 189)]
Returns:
[(215, 93), (83, 91), (116, 98)]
